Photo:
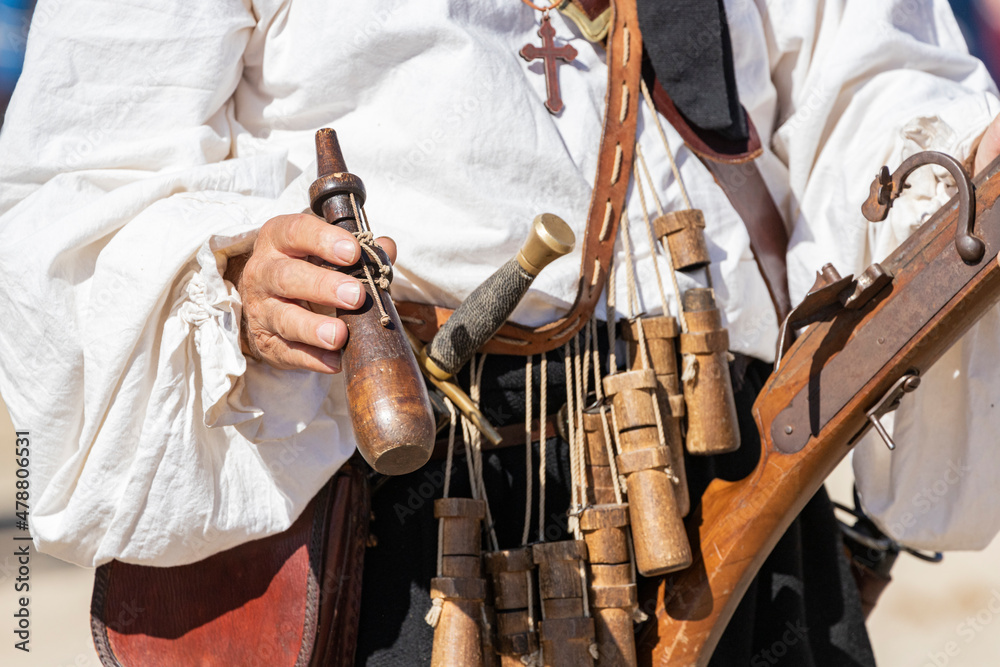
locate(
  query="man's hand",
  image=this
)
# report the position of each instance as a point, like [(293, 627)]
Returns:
[(277, 279), (989, 146)]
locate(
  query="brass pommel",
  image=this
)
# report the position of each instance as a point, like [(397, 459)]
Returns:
[(550, 238)]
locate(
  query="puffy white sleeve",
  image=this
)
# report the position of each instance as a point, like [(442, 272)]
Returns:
[(153, 440), (861, 84)]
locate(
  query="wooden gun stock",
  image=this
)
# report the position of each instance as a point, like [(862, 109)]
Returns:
[(813, 409)]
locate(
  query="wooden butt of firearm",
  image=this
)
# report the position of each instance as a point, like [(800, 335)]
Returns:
[(658, 536), (460, 591), (660, 334), (683, 232), (708, 389), (567, 633), (613, 596), (514, 602)]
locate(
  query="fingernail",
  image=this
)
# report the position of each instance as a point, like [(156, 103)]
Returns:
[(346, 251), (327, 332), (332, 359), (349, 293)]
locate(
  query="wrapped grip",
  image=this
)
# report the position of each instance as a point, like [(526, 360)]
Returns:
[(490, 304), (479, 317)]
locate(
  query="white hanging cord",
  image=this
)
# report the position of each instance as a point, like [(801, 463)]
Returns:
[(528, 468), (542, 446), (677, 176), (649, 179), (477, 443), (452, 423), (581, 376), (641, 344), (575, 503), (661, 434), (612, 317), (652, 243), (618, 444), (632, 293), (596, 365), (616, 482), (666, 144), (467, 430), (586, 369), (666, 249)]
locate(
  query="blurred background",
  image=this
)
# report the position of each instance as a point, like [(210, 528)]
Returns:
[(930, 616)]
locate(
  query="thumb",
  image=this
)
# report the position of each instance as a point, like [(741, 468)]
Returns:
[(389, 246)]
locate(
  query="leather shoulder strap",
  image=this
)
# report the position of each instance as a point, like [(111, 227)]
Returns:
[(735, 170), (614, 168)]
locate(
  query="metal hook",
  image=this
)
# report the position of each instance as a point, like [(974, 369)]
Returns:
[(885, 189)]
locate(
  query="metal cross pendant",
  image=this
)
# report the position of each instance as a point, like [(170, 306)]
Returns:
[(549, 53)]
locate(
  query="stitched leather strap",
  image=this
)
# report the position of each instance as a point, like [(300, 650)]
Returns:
[(730, 162), (614, 168)]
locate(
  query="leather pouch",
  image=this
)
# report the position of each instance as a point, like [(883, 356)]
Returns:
[(289, 599)]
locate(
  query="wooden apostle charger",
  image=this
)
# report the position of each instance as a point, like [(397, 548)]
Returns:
[(870, 339)]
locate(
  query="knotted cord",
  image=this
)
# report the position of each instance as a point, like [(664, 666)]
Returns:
[(366, 239)]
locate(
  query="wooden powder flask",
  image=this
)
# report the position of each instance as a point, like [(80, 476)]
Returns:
[(390, 410), (683, 232), (513, 602), (661, 335), (659, 539), (461, 588), (600, 483), (711, 409), (613, 597), (566, 632)]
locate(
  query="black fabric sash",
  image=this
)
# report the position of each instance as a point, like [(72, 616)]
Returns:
[(688, 44)]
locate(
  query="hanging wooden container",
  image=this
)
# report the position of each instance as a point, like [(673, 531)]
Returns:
[(600, 483), (613, 596), (513, 601), (658, 535), (683, 232), (566, 633), (461, 588), (661, 344), (712, 424)]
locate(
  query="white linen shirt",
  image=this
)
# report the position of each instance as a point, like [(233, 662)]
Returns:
[(148, 141)]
